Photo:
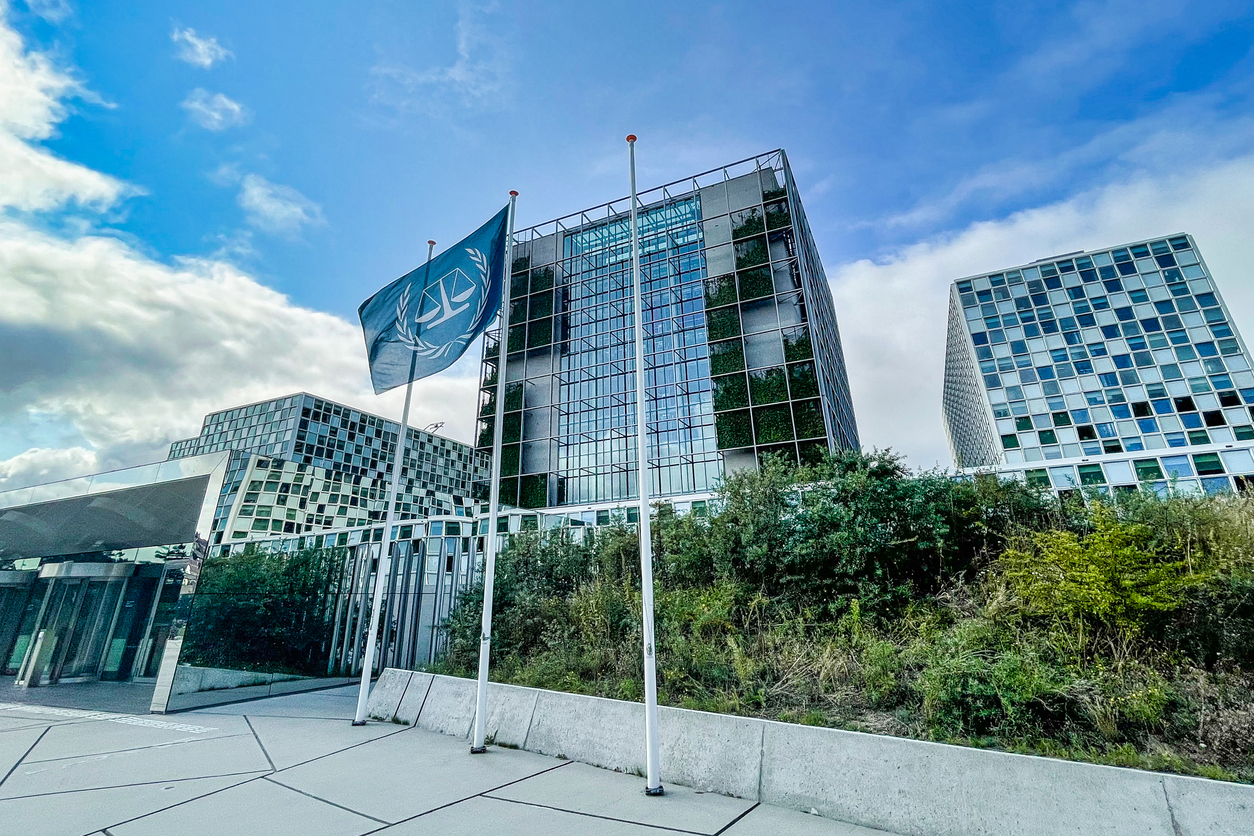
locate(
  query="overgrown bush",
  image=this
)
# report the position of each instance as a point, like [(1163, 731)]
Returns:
[(856, 594)]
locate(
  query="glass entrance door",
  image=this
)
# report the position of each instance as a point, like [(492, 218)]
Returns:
[(89, 632)]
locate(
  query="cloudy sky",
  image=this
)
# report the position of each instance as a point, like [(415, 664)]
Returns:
[(195, 199)]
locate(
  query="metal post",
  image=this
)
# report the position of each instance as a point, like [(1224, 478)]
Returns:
[(653, 771), (477, 746), (381, 575)]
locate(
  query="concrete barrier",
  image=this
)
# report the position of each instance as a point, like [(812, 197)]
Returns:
[(903, 786), (386, 694), (191, 680), (414, 699)]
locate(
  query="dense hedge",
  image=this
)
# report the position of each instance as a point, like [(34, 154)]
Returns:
[(858, 595)]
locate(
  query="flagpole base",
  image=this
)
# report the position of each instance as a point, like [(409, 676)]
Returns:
[(356, 723), (478, 750), (658, 790)]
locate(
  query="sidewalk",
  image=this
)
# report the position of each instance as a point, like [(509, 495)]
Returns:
[(294, 765)]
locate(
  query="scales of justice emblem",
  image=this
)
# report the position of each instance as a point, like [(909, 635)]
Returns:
[(438, 328)]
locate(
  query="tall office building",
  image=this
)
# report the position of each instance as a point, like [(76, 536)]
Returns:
[(744, 355), (1114, 367), (348, 455)]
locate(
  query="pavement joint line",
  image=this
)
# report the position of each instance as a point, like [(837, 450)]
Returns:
[(467, 798), (34, 724), (260, 745), (138, 748), (23, 757), (598, 816), (345, 749), (729, 825), (186, 801), (135, 784), (270, 778)]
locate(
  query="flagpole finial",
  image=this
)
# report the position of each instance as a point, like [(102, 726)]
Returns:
[(631, 137), (513, 193), (432, 243)]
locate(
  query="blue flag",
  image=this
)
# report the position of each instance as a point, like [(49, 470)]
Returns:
[(425, 319)]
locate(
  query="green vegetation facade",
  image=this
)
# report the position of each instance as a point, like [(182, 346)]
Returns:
[(1101, 369), (743, 350)]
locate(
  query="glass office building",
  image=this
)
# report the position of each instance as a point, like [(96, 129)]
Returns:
[(345, 456), (743, 351), (1114, 367)]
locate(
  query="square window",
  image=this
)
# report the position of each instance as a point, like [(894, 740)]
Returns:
[(1208, 464), (1091, 474), (768, 386)]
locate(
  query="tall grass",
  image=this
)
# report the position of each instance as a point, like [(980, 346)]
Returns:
[(858, 596)]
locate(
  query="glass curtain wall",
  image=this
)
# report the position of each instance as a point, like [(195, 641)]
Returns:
[(732, 371)]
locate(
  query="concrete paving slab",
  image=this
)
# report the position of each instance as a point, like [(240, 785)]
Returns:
[(764, 820), (11, 723), (193, 759), (290, 741), (16, 746), (506, 818), (76, 813), (414, 698), (1203, 808), (579, 788), (256, 807), (405, 774), (103, 737)]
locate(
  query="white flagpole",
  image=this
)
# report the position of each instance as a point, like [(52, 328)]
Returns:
[(653, 759), (477, 746), (385, 557)]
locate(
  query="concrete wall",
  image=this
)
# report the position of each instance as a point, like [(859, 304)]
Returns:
[(903, 786), (268, 685), (190, 680)]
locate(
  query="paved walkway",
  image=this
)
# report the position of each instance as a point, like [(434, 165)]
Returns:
[(294, 765), (118, 697)]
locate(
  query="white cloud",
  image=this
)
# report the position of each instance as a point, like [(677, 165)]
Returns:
[(32, 93), (274, 208), (893, 312), (198, 51), (479, 76), (31, 179), (132, 353), (214, 111), (53, 11), (39, 465), (116, 353)]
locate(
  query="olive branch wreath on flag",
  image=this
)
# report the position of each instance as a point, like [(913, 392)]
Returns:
[(422, 347)]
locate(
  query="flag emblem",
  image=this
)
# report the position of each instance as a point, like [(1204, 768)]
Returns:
[(421, 323), (442, 302)]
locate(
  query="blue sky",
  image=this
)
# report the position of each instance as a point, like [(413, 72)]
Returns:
[(222, 153)]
